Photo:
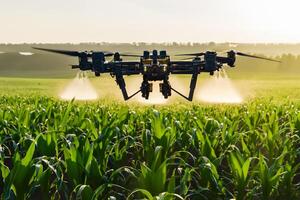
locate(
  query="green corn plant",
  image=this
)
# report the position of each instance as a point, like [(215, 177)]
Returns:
[(240, 172), (47, 144), (288, 188), (19, 179), (269, 177), (206, 148), (207, 179), (149, 196), (42, 182), (153, 178), (78, 163), (82, 192), (120, 151)]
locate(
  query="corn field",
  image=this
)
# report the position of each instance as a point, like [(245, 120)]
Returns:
[(51, 149)]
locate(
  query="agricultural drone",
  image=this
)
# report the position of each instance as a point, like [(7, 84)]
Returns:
[(154, 66)]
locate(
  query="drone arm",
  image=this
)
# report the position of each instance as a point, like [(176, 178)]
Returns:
[(226, 60), (125, 68), (181, 67), (121, 82), (222, 59)]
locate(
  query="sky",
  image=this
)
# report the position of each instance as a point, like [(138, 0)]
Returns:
[(74, 21)]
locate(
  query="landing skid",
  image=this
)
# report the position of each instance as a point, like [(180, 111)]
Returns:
[(121, 82), (192, 88)]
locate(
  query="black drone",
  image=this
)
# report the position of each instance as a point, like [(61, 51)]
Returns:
[(153, 66)]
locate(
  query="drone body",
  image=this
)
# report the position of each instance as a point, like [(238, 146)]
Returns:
[(154, 66)]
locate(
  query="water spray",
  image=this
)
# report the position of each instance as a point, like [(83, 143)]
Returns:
[(219, 89), (80, 88)]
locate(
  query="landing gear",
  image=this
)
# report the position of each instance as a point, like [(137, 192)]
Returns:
[(165, 87), (192, 87), (121, 82)]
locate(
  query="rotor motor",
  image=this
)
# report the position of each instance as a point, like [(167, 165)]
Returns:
[(83, 61), (162, 54), (210, 61), (231, 55), (146, 55), (98, 59), (117, 57)]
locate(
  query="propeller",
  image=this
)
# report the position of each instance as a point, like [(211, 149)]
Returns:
[(230, 52), (252, 56), (189, 58), (191, 54), (131, 55), (71, 53)]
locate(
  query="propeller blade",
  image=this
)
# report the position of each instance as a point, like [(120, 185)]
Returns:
[(189, 58), (71, 53), (131, 55), (191, 54), (257, 57), (64, 52)]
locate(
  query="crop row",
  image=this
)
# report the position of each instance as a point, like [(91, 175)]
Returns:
[(51, 149)]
